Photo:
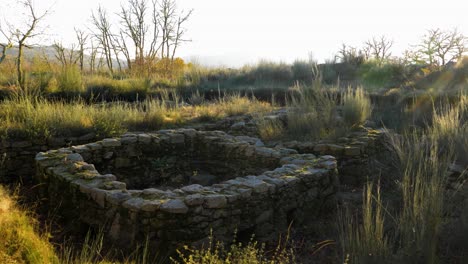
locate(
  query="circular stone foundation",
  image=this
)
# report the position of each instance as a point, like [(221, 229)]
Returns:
[(179, 185)]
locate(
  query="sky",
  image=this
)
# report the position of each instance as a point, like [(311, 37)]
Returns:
[(236, 32)]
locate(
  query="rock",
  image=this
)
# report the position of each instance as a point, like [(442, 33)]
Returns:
[(174, 207), (238, 125), (21, 144), (128, 140), (151, 205), (192, 188), (352, 151), (194, 199), (74, 157), (133, 204), (177, 138), (110, 142), (203, 178), (144, 138), (215, 201), (87, 137)]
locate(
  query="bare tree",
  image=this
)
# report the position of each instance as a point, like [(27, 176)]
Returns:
[(65, 56), (135, 27), (350, 54), (439, 47), (379, 48), (8, 44), (180, 32), (82, 39), (22, 35), (171, 24), (104, 35)]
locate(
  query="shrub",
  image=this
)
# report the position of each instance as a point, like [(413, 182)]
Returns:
[(375, 76), (237, 253), (69, 80), (356, 107)]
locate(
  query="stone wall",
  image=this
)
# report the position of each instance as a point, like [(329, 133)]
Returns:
[(361, 155), (288, 186), (17, 156)]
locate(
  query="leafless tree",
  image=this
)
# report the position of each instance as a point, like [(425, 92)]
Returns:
[(379, 48), (350, 54), (65, 56), (23, 34), (8, 44), (82, 39), (439, 47), (92, 57), (103, 35), (135, 27)]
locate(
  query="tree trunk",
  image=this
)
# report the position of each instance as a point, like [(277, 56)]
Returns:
[(19, 66)]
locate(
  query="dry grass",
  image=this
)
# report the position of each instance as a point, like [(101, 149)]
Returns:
[(356, 107), (24, 117), (18, 231)]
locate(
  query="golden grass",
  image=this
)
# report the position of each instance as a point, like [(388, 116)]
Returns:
[(18, 231), (24, 117)]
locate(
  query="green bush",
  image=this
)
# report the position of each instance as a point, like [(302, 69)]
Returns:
[(375, 76)]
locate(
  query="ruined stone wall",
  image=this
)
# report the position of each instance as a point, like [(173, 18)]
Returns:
[(361, 156), (295, 188), (17, 156)]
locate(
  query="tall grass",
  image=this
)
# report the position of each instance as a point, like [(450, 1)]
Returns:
[(364, 240), (69, 80), (20, 241), (356, 107), (422, 161), (34, 118), (312, 112)]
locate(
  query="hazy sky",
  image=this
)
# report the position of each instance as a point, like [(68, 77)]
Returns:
[(234, 32)]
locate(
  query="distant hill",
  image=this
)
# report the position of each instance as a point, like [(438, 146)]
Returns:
[(48, 52)]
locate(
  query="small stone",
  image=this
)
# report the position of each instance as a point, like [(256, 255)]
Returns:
[(87, 137), (352, 151), (174, 207), (192, 188), (215, 201), (194, 199), (133, 204), (21, 144), (151, 205), (94, 146), (128, 140), (238, 125), (111, 142), (74, 157), (177, 138), (108, 155), (144, 138)]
